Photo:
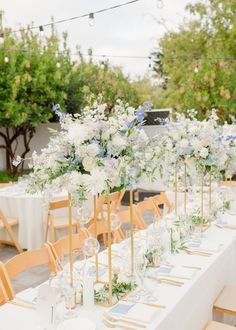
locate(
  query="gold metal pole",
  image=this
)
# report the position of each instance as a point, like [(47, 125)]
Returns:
[(131, 230), (202, 195), (210, 193), (185, 188), (109, 248), (95, 232), (176, 192), (70, 238)]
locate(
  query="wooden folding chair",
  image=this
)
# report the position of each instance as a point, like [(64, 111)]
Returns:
[(213, 325), (102, 230), (60, 247), (21, 263), (148, 205), (228, 183), (226, 301), (3, 294), (3, 185), (115, 199), (56, 223), (124, 217), (7, 224), (162, 199)]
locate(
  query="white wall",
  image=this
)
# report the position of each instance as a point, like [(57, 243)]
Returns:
[(40, 139)]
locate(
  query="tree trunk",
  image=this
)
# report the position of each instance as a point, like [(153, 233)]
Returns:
[(10, 144)]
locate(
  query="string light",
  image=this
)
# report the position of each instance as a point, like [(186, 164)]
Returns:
[(76, 17), (91, 19), (6, 59), (1, 38), (41, 30)]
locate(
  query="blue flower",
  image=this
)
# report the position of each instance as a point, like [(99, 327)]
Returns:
[(140, 111), (148, 105), (140, 118), (130, 124), (139, 127)]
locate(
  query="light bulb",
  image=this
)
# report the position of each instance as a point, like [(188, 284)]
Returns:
[(58, 65), (6, 59), (41, 30), (1, 38), (160, 4), (91, 19)]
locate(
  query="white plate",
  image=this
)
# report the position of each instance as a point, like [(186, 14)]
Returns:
[(77, 323)]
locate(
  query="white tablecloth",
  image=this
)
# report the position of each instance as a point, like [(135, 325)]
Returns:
[(30, 210), (187, 308)]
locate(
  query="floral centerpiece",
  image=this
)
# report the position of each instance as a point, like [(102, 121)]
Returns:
[(197, 142), (95, 151)]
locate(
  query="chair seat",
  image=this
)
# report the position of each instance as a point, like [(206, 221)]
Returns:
[(11, 221), (218, 326), (62, 222), (226, 301)]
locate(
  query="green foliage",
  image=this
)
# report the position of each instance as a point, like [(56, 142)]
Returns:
[(119, 289), (147, 90), (89, 78), (31, 82), (198, 63), (6, 177)]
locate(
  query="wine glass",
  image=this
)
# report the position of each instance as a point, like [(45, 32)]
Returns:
[(68, 283), (140, 269)]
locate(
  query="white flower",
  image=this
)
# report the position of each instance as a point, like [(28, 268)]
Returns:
[(118, 140), (92, 150), (183, 143), (203, 152), (17, 161), (88, 163), (96, 181)]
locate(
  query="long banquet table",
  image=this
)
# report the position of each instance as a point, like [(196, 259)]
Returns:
[(187, 308)]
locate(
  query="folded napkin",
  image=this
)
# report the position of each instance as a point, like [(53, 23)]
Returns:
[(204, 246), (230, 222), (176, 272), (134, 311)]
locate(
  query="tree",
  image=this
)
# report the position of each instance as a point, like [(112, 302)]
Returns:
[(32, 79), (89, 78), (148, 90), (198, 63)]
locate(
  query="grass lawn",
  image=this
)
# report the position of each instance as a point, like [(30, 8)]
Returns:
[(7, 177)]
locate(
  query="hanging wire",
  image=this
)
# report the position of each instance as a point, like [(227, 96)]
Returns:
[(74, 18)]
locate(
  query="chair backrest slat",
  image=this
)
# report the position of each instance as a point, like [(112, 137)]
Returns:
[(58, 204), (62, 244), (29, 259)]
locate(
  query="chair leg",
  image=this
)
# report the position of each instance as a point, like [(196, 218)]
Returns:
[(52, 232), (46, 228), (13, 237)]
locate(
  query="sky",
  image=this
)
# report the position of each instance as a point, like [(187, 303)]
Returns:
[(132, 30)]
